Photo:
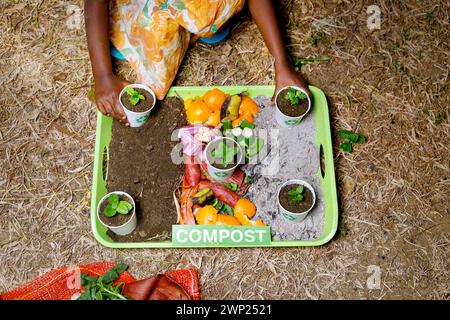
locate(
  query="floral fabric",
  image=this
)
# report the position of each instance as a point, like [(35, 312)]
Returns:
[(154, 35)]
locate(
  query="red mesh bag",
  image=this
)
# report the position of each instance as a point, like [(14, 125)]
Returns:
[(63, 283)]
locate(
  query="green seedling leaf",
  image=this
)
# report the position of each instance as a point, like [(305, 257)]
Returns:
[(298, 198), (124, 207), (346, 146), (292, 96), (300, 189), (110, 211), (361, 138), (224, 154), (113, 200), (134, 95), (296, 194), (232, 186)]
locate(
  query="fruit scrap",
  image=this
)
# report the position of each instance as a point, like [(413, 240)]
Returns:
[(203, 195), (230, 108), (214, 99), (247, 110), (197, 111), (206, 215), (227, 220), (244, 210)]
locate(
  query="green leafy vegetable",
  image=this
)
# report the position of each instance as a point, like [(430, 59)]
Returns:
[(222, 207), (294, 96), (116, 206), (102, 288), (135, 96), (297, 194), (248, 179), (347, 146), (226, 209), (246, 124), (232, 186), (351, 137)]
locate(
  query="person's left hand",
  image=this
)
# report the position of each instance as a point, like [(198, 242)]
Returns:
[(287, 76)]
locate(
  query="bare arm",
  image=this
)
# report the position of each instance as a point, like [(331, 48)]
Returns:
[(107, 85), (263, 12)]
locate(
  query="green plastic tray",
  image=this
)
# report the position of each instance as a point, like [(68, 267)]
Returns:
[(320, 115)]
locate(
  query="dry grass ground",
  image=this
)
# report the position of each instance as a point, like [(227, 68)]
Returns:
[(391, 84)]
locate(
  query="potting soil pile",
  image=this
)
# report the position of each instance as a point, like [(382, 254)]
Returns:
[(140, 163), (289, 153)]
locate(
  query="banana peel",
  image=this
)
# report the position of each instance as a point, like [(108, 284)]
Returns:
[(201, 196), (230, 108)]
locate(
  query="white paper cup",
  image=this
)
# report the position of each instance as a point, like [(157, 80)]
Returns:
[(287, 121), (126, 228), (137, 119), (216, 173), (295, 216)]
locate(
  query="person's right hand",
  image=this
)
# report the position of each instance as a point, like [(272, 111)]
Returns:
[(107, 90)]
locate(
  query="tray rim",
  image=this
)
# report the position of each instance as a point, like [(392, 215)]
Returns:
[(104, 124)]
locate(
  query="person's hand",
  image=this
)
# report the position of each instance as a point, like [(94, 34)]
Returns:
[(107, 90), (287, 76)]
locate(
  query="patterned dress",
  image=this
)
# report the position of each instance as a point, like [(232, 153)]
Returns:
[(154, 35)]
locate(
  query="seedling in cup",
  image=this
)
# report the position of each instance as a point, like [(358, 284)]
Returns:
[(292, 104), (117, 206), (137, 101), (297, 193), (295, 199), (117, 212), (222, 155)]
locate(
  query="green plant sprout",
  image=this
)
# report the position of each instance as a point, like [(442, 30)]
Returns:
[(102, 288), (135, 96), (351, 137), (116, 206), (297, 194), (224, 153), (294, 95)]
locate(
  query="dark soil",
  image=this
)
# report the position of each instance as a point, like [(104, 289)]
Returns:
[(118, 219), (285, 199), (142, 105), (140, 164), (289, 109)]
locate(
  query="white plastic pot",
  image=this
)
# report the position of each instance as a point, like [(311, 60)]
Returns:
[(126, 228), (295, 216), (287, 121), (137, 119), (216, 173)]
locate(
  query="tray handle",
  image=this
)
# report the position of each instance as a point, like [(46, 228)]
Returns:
[(322, 161), (105, 163)]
